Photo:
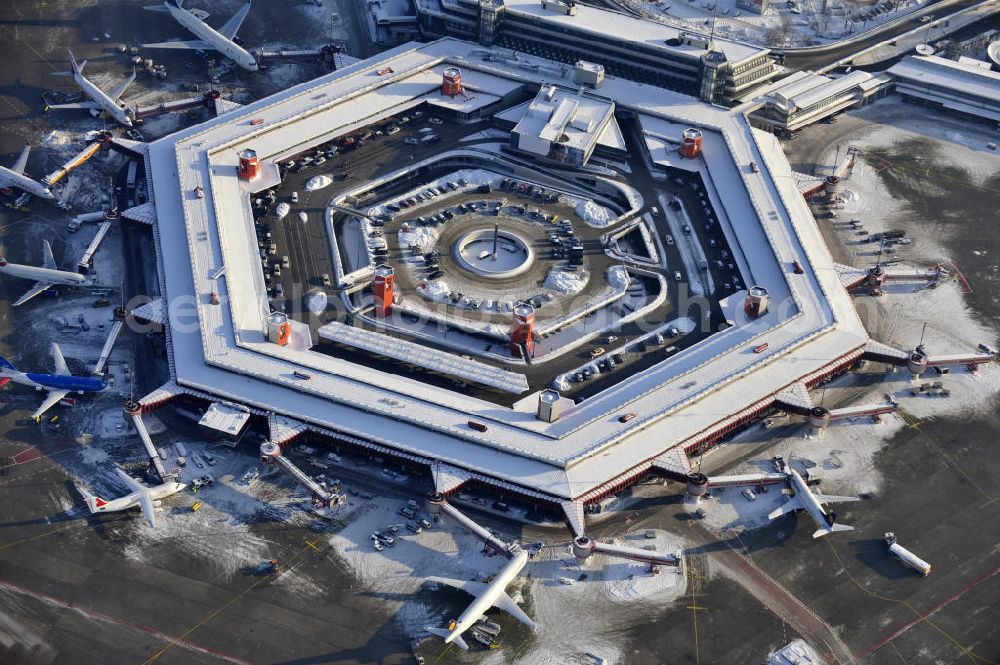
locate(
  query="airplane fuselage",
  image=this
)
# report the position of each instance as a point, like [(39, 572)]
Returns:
[(76, 384), (218, 41), (808, 499), (99, 97), (157, 493), (38, 274), (23, 182), (484, 602)]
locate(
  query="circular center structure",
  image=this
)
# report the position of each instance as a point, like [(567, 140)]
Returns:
[(493, 254)]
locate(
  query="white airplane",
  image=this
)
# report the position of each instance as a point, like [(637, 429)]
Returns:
[(143, 497), (14, 177), (45, 277), (99, 100), (486, 596), (221, 40), (805, 499), (58, 385)]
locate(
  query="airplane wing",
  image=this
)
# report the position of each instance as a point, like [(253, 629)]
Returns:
[(148, 509), (133, 484), (48, 261), (60, 362), (472, 588), (789, 506), (507, 604), (232, 26), (120, 90), (32, 292), (51, 400), (829, 498), (75, 105), (22, 160), (195, 44)]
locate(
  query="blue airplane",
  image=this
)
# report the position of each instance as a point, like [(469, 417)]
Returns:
[(58, 385)]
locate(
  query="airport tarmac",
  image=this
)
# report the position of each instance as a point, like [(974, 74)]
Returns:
[(174, 608), (70, 595)]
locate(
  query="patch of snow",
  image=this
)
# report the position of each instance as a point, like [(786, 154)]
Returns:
[(617, 593), (795, 652), (618, 278), (594, 214), (566, 281), (316, 301), (318, 182), (436, 289)]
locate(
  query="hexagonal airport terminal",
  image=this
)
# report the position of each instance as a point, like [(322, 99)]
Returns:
[(477, 268)]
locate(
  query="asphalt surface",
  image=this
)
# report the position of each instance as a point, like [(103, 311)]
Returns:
[(307, 248), (815, 59)]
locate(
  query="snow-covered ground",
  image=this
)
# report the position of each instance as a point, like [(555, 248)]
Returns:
[(566, 281), (552, 588), (800, 24), (844, 456), (795, 652), (594, 214), (959, 145), (318, 182)]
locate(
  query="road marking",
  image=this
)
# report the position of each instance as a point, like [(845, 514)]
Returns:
[(107, 618), (227, 605)]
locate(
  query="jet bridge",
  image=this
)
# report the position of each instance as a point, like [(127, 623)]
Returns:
[(109, 344), (437, 504), (584, 547), (270, 453), (84, 264), (134, 410), (205, 100)]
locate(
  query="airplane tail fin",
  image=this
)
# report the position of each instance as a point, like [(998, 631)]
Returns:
[(445, 634), (93, 502), (6, 365), (76, 68)]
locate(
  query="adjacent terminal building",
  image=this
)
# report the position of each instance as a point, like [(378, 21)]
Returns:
[(712, 69)]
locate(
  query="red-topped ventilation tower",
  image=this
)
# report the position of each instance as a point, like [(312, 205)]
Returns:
[(383, 284), (691, 144), (451, 81), (756, 302), (249, 164), (522, 331)]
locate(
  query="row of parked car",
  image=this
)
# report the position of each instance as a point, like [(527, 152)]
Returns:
[(387, 537)]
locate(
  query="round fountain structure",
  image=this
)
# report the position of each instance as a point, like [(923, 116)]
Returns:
[(493, 253)]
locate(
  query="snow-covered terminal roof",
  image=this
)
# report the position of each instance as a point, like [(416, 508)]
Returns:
[(206, 245)]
